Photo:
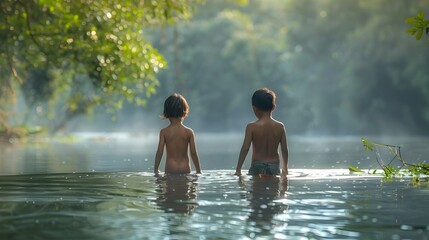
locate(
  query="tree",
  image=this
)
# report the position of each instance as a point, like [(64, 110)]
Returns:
[(339, 67), (66, 57)]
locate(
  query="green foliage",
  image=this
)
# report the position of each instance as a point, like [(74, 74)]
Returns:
[(414, 170), (338, 67), (419, 26), (75, 55)]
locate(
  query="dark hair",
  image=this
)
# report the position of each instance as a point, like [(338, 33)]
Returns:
[(175, 106), (264, 99)]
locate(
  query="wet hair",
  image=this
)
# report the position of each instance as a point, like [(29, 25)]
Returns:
[(264, 99), (175, 106)]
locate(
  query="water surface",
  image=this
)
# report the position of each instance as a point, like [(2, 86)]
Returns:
[(104, 189)]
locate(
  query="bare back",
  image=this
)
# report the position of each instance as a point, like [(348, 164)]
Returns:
[(177, 139), (266, 135)]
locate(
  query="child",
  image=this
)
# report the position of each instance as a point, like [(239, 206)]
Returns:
[(265, 135), (177, 138)]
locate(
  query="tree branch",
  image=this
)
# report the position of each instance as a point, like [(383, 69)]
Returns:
[(13, 70)]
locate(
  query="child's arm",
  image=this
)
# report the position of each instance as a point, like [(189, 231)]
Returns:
[(194, 153), (244, 150), (159, 152), (285, 153)]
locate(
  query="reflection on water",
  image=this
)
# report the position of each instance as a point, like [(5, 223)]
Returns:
[(177, 193), (264, 207), (106, 190), (216, 205), (71, 206)]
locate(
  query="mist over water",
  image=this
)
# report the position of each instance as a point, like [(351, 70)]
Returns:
[(343, 75), (341, 70), (118, 152)]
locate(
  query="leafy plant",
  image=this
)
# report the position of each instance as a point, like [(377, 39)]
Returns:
[(415, 170), (68, 57), (420, 26)]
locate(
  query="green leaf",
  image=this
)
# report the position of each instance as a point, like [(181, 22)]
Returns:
[(419, 34), (354, 169), (369, 146), (411, 31), (410, 20)]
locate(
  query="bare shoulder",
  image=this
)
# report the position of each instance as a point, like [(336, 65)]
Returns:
[(188, 130), (278, 124), (252, 124), (251, 127), (163, 130)]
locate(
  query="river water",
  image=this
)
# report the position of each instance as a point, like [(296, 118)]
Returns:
[(102, 187)]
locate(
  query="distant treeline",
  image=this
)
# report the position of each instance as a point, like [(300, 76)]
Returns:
[(338, 67)]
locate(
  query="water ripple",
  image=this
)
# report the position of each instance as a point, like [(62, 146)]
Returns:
[(216, 205)]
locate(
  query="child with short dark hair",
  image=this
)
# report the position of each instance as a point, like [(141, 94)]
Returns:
[(177, 139), (265, 135)]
